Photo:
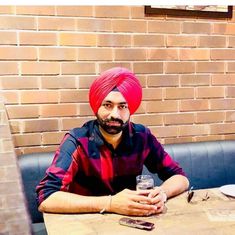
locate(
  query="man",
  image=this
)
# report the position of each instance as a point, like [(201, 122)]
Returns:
[(95, 166)]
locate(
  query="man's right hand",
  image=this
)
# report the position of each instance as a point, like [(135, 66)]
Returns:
[(130, 202)]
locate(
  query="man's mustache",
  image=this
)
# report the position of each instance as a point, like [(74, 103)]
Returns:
[(113, 120)]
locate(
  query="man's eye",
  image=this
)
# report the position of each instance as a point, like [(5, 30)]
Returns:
[(123, 106), (107, 106)]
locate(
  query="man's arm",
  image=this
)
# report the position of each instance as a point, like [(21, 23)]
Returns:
[(126, 202), (175, 185)]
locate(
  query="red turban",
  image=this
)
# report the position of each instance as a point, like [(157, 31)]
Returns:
[(121, 78)]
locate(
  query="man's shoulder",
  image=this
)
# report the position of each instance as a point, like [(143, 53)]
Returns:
[(139, 128), (83, 131)]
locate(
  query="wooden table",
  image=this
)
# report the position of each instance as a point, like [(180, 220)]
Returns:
[(215, 216)]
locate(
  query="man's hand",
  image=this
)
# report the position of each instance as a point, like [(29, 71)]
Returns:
[(138, 203)]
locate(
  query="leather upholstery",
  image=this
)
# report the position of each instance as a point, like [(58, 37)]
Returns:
[(33, 167), (207, 164)]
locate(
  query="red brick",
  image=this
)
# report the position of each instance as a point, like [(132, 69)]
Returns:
[(178, 140), (85, 81), (210, 67), (77, 68), (194, 105), (194, 80), (37, 38), (113, 40), (231, 42), (94, 54), (162, 80), (152, 94), (179, 93), (112, 11), (223, 54), (32, 139), (210, 117), (40, 125), (56, 23), (230, 116), (181, 41), (195, 130), (8, 38), (223, 79), (63, 82), (69, 123), (231, 67), (71, 96), (164, 27), (179, 67), (148, 119), (134, 26), (165, 131), (162, 106), (16, 126), (10, 97), (194, 54), (94, 25), (39, 97), (163, 54), (129, 54), (231, 92), (74, 10), (148, 40), (33, 149), (22, 111), (222, 104), (103, 66), (18, 82), (223, 128), (35, 10), (85, 110), (224, 29), (40, 68), (8, 68), (147, 67), (7, 9), (18, 53), (196, 28), (210, 92), (212, 41), (137, 12), (52, 138), (208, 138), (57, 54), (58, 110), (17, 22), (77, 39), (178, 118)]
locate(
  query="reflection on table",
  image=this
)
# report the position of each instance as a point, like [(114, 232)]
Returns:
[(203, 215)]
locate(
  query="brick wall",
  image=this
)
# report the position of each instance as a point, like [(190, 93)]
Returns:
[(49, 55), (14, 219)]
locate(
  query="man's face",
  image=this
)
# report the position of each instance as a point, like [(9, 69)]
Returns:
[(113, 114)]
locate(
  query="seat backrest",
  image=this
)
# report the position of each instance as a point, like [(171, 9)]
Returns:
[(207, 164), (33, 167)]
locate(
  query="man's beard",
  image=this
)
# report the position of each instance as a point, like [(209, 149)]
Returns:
[(109, 128)]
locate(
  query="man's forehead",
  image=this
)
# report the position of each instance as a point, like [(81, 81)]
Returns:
[(115, 97)]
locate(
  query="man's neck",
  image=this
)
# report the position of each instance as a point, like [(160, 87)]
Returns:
[(114, 140)]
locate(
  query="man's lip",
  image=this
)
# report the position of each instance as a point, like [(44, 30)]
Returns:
[(113, 123)]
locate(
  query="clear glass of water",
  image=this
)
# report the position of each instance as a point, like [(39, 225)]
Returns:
[(144, 182)]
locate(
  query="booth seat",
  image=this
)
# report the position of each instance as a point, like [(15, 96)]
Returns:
[(207, 165)]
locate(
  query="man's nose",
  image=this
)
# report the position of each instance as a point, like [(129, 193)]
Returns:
[(115, 112)]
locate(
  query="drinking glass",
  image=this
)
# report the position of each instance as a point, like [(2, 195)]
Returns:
[(144, 182)]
